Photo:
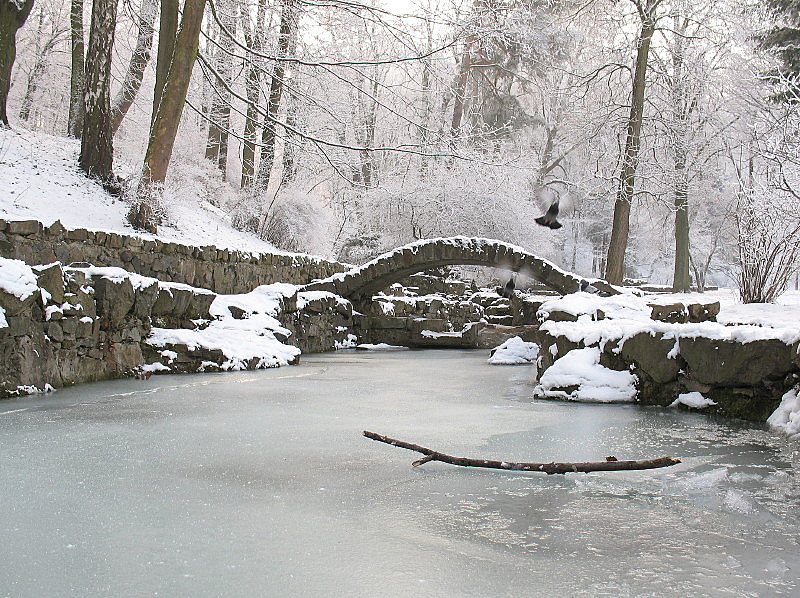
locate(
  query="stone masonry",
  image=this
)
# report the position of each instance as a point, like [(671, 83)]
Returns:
[(221, 270)]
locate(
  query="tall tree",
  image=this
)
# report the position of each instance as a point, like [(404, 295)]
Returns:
[(97, 148), (13, 15), (167, 32), (144, 211), (48, 37), (618, 243), (784, 41), (254, 40), (220, 112), (141, 56), (683, 105), (269, 133), (77, 82)]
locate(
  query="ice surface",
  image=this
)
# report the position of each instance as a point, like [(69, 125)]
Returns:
[(260, 484)]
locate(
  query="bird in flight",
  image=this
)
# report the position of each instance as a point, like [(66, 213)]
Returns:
[(508, 290), (549, 218)]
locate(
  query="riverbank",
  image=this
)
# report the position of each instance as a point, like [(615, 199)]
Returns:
[(64, 325)]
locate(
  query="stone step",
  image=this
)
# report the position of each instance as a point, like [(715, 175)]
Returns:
[(503, 320), (497, 310)]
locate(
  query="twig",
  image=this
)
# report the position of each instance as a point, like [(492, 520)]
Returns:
[(610, 464)]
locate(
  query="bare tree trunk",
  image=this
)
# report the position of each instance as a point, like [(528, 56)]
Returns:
[(460, 88), (77, 83), (268, 135), (426, 109), (220, 112), (253, 38), (291, 140), (12, 16), (141, 56), (35, 73), (167, 31), (615, 264), (97, 149), (682, 104), (289, 169), (44, 51), (681, 281), (143, 213), (368, 108)]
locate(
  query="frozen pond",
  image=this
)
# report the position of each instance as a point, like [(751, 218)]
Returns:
[(260, 484)]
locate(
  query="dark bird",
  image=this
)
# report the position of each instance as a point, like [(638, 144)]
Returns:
[(508, 290), (549, 218)]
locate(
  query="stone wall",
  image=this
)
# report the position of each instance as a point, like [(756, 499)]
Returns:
[(78, 325), (221, 270), (71, 330)]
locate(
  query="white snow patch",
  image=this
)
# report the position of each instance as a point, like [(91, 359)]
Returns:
[(627, 315), (17, 278), (387, 308), (264, 300), (380, 347), (29, 389), (595, 383), (238, 342), (156, 366), (695, 400), (117, 275), (348, 343), (50, 311), (737, 501), (513, 352), (170, 355), (786, 418)]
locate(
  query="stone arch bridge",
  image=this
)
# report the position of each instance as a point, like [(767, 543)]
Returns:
[(361, 283)]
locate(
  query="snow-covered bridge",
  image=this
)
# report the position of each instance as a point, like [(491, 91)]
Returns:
[(361, 283)]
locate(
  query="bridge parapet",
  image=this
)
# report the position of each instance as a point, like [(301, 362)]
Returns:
[(361, 283)]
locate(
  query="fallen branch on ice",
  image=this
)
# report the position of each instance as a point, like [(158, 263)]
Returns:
[(610, 464)]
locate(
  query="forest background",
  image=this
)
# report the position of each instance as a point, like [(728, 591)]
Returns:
[(667, 130)]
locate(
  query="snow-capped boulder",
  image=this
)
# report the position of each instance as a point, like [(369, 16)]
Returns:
[(514, 351)]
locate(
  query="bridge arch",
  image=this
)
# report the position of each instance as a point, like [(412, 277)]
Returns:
[(361, 283)]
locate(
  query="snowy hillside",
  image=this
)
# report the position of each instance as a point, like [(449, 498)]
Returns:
[(40, 180)]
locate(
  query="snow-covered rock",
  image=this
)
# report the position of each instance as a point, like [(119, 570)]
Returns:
[(786, 417), (578, 376), (693, 400), (513, 352)]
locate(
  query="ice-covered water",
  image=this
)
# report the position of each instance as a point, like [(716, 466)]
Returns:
[(260, 484)]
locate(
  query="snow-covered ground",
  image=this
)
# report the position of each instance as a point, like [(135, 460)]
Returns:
[(40, 180), (620, 310)]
